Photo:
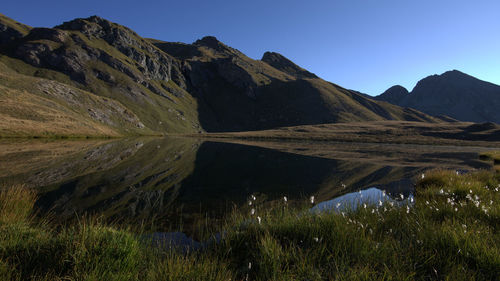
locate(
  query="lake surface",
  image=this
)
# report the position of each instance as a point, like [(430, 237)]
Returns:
[(182, 181)]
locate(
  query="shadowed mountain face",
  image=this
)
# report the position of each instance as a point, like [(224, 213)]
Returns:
[(394, 94), (452, 93), (163, 87)]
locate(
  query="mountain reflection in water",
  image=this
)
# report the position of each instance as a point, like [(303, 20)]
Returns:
[(172, 182)]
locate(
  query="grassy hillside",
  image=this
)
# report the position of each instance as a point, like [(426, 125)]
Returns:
[(110, 61), (38, 107)]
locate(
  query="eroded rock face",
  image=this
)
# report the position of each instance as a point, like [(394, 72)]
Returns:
[(151, 62), (64, 49)]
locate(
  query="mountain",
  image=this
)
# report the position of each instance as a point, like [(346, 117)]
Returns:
[(394, 94), (452, 93), (108, 80)]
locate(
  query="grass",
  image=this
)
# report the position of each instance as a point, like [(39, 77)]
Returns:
[(450, 232), (492, 156), (389, 131)]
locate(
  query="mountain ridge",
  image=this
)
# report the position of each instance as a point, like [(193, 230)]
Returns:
[(178, 87), (452, 93)]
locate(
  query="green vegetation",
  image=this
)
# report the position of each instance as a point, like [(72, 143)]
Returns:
[(450, 232)]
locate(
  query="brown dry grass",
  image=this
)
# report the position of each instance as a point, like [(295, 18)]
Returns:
[(399, 132), (25, 114), (16, 204)]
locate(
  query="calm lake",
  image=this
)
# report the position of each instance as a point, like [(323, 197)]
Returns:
[(177, 182)]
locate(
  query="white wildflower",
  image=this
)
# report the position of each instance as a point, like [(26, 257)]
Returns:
[(311, 199), (258, 219)]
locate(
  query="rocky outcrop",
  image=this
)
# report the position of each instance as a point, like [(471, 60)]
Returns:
[(63, 49), (11, 30)]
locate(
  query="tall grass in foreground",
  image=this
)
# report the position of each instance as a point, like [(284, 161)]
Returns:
[(450, 232)]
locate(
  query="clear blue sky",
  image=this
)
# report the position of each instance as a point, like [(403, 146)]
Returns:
[(366, 45)]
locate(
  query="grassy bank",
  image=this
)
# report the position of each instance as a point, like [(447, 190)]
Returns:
[(450, 231)]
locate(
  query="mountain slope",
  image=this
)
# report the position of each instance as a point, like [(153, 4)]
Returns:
[(178, 87), (454, 94), (31, 106), (246, 94), (111, 61)]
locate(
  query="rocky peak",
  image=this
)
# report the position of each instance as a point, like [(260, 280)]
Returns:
[(210, 42), (281, 63), (394, 94)]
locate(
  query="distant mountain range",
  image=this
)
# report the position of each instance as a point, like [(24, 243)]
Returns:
[(94, 77), (452, 93)]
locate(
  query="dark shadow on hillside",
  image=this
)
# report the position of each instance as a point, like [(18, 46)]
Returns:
[(229, 106)]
